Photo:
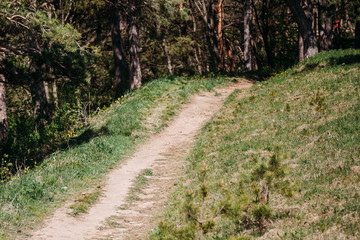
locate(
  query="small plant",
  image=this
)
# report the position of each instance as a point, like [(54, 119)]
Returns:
[(272, 94), (275, 165), (256, 190), (5, 169), (318, 101), (195, 212), (259, 173), (287, 107), (273, 174), (261, 214), (148, 172), (84, 202)]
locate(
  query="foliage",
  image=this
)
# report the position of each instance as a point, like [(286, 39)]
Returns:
[(66, 46), (57, 61)]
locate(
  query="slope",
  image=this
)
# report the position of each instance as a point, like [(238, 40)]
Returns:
[(295, 135), (91, 153), (177, 137)]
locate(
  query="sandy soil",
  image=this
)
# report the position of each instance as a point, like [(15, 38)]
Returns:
[(164, 153)]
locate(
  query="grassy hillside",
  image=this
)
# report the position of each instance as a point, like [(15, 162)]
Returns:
[(89, 154), (298, 134)]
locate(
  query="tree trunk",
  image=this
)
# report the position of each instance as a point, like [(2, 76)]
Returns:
[(269, 53), (49, 7), (81, 113), (220, 33), (325, 34), (213, 57), (256, 60), (168, 57), (325, 27), (3, 111), (247, 36), (301, 48), (192, 16), (47, 92), (37, 94), (134, 41), (264, 29), (197, 53), (213, 34), (49, 104), (55, 94), (36, 87), (230, 54), (305, 26), (119, 57), (206, 12), (357, 34), (265, 33)]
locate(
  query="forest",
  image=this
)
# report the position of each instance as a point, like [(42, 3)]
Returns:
[(64, 61)]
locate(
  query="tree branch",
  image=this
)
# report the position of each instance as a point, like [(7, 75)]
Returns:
[(13, 17), (19, 51)]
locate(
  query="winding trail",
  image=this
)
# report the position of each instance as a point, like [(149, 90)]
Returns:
[(163, 153)]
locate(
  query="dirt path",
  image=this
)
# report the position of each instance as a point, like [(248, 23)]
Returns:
[(163, 153)]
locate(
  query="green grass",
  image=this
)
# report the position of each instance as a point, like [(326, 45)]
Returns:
[(138, 185), (29, 197), (83, 203), (299, 132)]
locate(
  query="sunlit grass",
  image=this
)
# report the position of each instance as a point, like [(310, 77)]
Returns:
[(308, 116), (91, 152), (83, 203)]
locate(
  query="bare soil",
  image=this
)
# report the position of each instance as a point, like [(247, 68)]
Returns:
[(113, 217)]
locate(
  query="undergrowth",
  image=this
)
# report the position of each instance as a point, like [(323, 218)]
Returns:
[(88, 155), (295, 137)]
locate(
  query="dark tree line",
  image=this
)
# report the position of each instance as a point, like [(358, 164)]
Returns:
[(62, 60)]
